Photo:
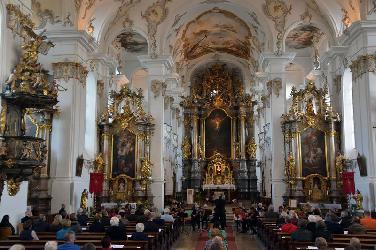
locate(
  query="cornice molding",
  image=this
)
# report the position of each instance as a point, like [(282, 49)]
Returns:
[(70, 70)]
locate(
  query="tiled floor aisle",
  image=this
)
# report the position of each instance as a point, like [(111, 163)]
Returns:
[(188, 240)]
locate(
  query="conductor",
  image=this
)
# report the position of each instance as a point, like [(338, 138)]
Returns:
[(220, 212)]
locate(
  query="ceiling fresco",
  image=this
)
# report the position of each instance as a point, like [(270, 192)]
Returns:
[(133, 42), (216, 30), (301, 37)]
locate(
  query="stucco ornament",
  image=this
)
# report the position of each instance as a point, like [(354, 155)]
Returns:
[(362, 65), (158, 87), (155, 15), (277, 11)]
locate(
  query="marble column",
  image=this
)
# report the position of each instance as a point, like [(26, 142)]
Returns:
[(275, 67), (158, 69)]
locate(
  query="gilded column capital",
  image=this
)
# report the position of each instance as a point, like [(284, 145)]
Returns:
[(362, 65), (158, 87), (70, 70)]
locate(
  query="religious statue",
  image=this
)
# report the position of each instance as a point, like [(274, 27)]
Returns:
[(358, 197), (186, 148), (84, 199), (290, 169), (317, 193), (99, 163)]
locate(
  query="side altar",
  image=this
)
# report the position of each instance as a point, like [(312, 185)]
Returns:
[(313, 163), (219, 150), (126, 130)]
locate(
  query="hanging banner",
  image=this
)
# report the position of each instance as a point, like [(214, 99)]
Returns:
[(96, 183), (348, 182)]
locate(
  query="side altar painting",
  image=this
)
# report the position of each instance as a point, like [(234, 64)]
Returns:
[(311, 137), (126, 131)]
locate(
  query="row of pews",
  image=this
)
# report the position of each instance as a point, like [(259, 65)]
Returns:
[(273, 239), (157, 240)]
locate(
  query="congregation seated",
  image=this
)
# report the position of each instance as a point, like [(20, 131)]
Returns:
[(89, 246), (345, 220), (332, 224), (167, 217), (271, 214), (97, 226), (302, 233), (115, 231), (5, 223), (56, 224), (28, 233), (62, 211), (17, 247), (356, 227), (66, 224), (216, 231), (133, 217), (216, 243), (150, 225), (322, 231), (139, 234), (355, 243), (105, 220), (367, 221), (41, 224), (70, 238), (28, 216)]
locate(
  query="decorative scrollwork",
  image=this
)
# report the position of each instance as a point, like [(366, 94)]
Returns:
[(186, 148), (218, 172), (252, 148), (13, 186)]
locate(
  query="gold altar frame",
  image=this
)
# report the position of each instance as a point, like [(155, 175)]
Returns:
[(121, 195), (203, 125)]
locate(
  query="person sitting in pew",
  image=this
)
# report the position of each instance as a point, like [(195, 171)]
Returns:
[(139, 234), (89, 246), (27, 233), (17, 247), (302, 234), (5, 223), (82, 217), (60, 235), (167, 216), (105, 220), (288, 227), (346, 219), (116, 232), (355, 243), (356, 227), (367, 221), (75, 225), (50, 245), (157, 220), (70, 237), (41, 225), (150, 225), (106, 243), (97, 226), (133, 217), (56, 224), (322, 231), (321, 243), (331, 221)]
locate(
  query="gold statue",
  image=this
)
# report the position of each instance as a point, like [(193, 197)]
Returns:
[(340, 163), (186, 148), (358, 197), (252, 148), (84, 198), (290, 169), (99, 163)]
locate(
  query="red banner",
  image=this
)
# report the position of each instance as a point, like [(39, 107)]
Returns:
[(348, 182), (96, 183)]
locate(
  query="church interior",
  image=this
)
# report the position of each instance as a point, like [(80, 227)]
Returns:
[(201, 124)]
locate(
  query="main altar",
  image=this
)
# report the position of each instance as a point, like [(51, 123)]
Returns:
[(313, 163), (219, 148)]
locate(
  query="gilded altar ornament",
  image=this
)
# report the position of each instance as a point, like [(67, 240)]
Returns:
[(186, 148), (99, 163), (290, 170), (145, 171), (358, 197), (340, 165), (252, 148), (13, 186), (218, 172), (84, 199)]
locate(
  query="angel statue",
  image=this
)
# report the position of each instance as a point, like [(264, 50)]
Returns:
[(358, 197), (84, 198)]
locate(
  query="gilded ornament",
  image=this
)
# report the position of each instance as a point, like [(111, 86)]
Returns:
[(186, 148), (340, 165), (359, 200), (346, 21), (84, 199), (3, 119), (13, 186), (218, 172), (252, 148), (290, 170), (99, 163)]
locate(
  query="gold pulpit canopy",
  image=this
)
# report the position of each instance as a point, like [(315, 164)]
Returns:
[(218, 172)]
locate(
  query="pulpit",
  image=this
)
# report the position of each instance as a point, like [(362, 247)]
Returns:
[(313, 165)]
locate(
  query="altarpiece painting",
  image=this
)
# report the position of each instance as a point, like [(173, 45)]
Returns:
[(124, 153), (313, 152), (217, 134)]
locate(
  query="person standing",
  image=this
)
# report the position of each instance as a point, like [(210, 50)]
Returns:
[(220, 211)]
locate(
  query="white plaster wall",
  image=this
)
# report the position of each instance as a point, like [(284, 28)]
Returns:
[(14, 206)]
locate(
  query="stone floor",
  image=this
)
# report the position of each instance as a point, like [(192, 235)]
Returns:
[(188, 240)]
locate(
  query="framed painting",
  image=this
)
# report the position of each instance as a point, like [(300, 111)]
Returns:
[(124, 153), (313, 152), (218, 134)]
